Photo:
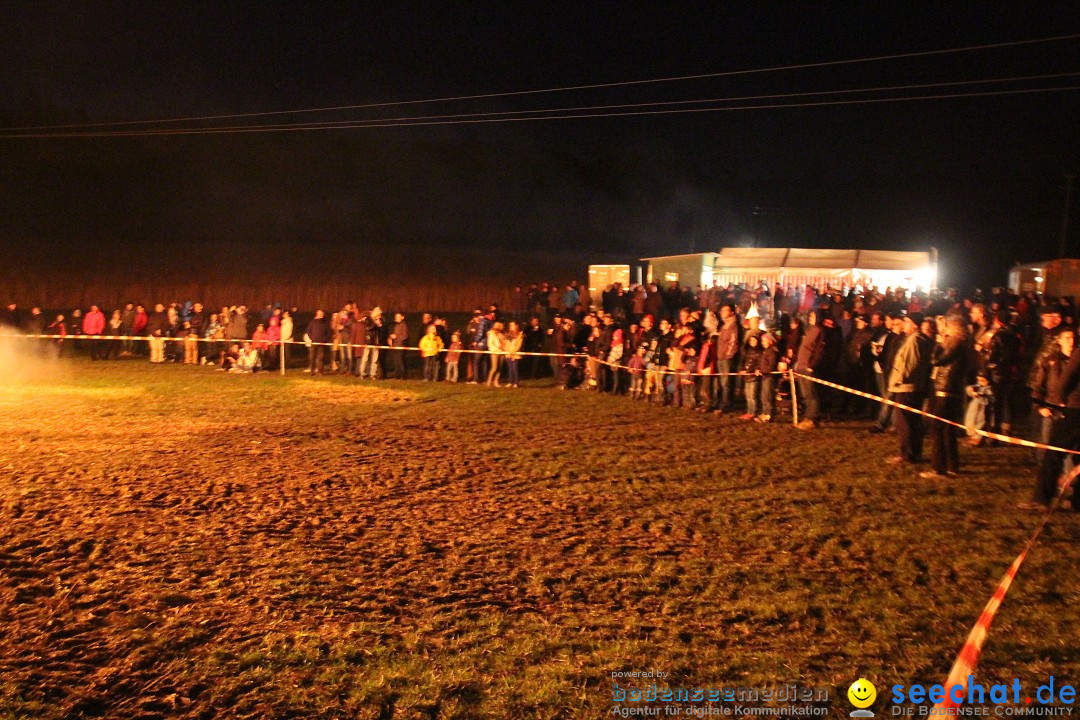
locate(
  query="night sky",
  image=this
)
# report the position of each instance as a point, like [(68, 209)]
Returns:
[(980, 178)]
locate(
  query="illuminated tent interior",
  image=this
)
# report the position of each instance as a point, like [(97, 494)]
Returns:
[(797, 266)]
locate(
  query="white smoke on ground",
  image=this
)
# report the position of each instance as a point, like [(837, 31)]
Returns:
[(27, 360)]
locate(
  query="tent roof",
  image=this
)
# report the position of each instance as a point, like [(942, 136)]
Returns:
[(684, 255), (811, 259)]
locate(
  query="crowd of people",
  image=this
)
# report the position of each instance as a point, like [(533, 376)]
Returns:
[(985, 362)]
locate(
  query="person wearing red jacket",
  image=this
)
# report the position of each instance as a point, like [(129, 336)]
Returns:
[(94, 324)]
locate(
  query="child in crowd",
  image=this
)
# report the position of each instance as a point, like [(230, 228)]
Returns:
[(215, 332), (259, 342), (453, 357), (980, 407), (751, 372), (58, 327), (636, 366), (230, 357), (653, 371), (191, 345), (770, 360), (430, 347)]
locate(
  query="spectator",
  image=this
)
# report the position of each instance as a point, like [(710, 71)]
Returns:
[(808, 361), (766, 369), (494, 345), (57, 327), (727, 352), (112, 346), (513, 341), (318, 331), (1063, 403), (373, 338), (399, 338), (287, 329), (94, 324), (127, 329), (750, 369), (907, 384), (430, 347), (949, 367), (453, 357)]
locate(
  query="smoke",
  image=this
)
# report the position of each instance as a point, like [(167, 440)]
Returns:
[(26, 359)]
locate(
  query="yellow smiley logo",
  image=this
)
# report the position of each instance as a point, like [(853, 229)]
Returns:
[(862, 693)]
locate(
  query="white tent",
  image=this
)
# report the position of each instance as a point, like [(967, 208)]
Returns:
[(804, 266)]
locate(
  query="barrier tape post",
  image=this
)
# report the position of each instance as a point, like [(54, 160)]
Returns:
[(281, 356), (794, 400)]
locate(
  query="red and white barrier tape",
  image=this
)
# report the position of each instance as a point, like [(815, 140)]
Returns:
[(965, 663), (275, 343), (968, 658), (984, 433)]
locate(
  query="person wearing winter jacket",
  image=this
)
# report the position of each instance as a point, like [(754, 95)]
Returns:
[(318, 331), (949, 361), (1063, 404), (374, 335), (127, 329), (1002, 363), (480, 361), (808, 361), (512, 345), (1049, 349), (94, 324), (749, 369), (138, 329), (766, 369), (727, 352), (287, 330), (430, 347), (495, 342), (908, 383), (399, 338), (157, 323)]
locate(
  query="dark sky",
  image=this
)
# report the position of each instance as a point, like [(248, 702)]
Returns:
[(980, 178)]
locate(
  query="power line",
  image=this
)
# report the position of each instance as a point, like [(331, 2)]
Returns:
[(583, 108), (393, 124), (569, 88)]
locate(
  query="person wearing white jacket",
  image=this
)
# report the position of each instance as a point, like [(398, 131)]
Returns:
[(286, 335), (496, 346)]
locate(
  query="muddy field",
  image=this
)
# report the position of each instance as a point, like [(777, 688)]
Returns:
[(179, 542)]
